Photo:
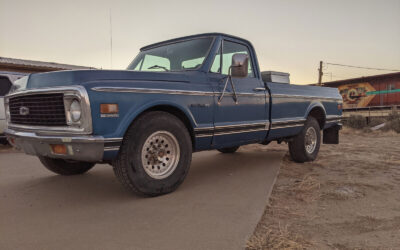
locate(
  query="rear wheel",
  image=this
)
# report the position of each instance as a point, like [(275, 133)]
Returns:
[(155, 155), (229, 150), (305, 146), (64, 167)]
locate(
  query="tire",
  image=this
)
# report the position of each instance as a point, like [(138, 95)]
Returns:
[(63, 167), (155, 155), (230, 150), (3, 141), (301, 148)]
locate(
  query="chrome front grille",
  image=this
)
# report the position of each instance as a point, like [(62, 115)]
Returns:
[(38, 110)]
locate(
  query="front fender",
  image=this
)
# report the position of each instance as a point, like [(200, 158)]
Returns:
[(134, 112)]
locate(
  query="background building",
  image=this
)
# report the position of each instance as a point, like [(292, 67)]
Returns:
[(17, 68), (369, 96), (370, 91), (12, 69)]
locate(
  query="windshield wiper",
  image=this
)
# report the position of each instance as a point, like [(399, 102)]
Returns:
[(158, 67)]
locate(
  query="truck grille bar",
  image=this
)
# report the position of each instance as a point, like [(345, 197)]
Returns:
[(38, 110)]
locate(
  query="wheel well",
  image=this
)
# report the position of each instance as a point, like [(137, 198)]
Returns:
[(176, 112), (319, 114)]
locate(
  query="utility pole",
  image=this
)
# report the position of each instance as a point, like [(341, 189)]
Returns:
[(320, 73), (111, 45)]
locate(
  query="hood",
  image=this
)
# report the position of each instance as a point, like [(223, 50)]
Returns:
[(79, 77)]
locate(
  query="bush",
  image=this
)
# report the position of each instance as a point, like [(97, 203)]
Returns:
[(394, 115), (393, 124), (356, 121), (374, 121)]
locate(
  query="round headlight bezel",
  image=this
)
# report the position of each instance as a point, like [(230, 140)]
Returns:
[(75, 110)]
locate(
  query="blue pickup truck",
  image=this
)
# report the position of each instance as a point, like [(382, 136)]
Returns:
[(179, 96)]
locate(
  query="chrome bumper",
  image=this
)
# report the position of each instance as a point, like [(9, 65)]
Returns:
[(79, 147)]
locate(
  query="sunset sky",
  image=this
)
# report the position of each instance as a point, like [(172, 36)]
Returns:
[(290, 36)]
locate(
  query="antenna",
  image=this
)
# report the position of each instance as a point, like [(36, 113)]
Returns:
[(111, 45)]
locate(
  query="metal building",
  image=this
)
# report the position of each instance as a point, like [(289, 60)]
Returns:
[(370, 93), (17, 68)]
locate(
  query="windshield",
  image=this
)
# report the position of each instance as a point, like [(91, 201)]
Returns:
[(180, 56)]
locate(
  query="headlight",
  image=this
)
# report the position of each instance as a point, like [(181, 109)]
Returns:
[(75, 110)]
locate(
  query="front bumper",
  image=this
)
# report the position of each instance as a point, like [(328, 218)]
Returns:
[(79, 147)]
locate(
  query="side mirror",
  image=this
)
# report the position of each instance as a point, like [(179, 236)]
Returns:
[(240, 65)]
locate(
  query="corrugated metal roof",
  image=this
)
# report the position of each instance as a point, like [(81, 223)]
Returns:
[(39, 64), (359, 79)]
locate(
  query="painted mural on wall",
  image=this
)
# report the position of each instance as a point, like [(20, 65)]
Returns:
[(357, 95)]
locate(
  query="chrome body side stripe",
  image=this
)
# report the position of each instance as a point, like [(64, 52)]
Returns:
[(152, 91), (231, 129), (277, 124), (305, 97), (169, 91)]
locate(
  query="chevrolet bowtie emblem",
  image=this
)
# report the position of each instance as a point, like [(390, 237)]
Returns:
[(24, 110)]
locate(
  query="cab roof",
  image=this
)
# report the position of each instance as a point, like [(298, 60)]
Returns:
[(213, 34)]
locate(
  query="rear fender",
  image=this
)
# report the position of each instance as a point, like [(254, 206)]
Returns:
[(317, 105)]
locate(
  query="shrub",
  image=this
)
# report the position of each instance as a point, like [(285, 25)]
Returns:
[(393, 124), (394, 115), (356, 121), (374, 121)]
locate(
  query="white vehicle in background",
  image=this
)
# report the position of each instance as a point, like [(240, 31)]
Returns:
[(6, 79)]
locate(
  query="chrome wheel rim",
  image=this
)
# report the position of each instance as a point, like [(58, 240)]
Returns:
[(310, 140), (160, 154)]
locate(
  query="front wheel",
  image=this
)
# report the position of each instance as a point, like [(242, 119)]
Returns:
[(155, 155), (305, 146), (64, 167)]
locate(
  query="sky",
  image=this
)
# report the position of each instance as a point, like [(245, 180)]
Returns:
[(288, 35)]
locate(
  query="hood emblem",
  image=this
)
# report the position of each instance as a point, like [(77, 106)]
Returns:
[(24, 110)]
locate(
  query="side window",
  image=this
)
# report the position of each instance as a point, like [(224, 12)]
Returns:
[(229, 49), (216, 66), (155, 63)]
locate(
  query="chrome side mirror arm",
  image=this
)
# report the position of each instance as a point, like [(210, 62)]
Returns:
[(229, 78)]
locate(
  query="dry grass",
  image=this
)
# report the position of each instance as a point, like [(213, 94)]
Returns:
[(346, 199), (277, 238), (356, 121)]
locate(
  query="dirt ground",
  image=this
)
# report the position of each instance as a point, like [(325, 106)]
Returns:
[(349, 198)]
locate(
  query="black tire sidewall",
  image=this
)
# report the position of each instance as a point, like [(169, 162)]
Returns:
[(229, 150), (297, 146), (63, 167), (138, 134)]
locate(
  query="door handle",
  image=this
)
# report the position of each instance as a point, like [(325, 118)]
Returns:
[(259, 89)]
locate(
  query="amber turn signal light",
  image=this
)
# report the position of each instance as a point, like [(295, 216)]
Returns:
[(339, 106), (109, 108), (59, 149)]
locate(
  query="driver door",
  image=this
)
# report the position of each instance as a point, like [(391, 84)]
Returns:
[(247, 120)]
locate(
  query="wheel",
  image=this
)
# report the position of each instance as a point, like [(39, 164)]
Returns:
[(155, 155), (305, 146), (230, 150), (64, 167)]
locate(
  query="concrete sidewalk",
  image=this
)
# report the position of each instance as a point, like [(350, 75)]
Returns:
[(217, 207)]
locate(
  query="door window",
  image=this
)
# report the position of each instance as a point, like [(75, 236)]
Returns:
[(228, 50)]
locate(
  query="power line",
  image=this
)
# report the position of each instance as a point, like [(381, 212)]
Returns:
[(359, 67)]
